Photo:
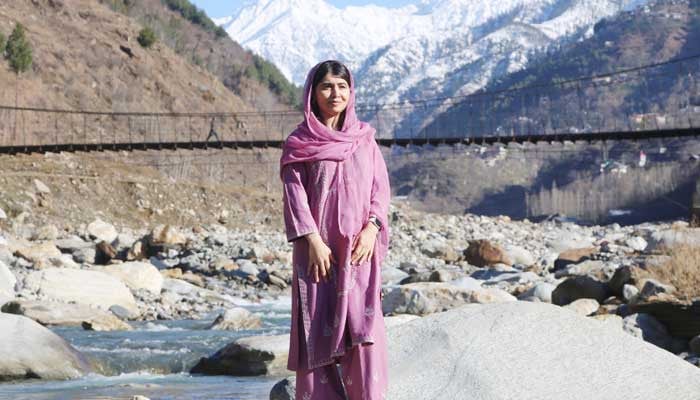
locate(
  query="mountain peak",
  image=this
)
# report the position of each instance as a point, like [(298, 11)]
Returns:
[(429, 48)]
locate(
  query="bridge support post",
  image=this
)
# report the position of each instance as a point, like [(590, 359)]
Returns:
[(695, 206)]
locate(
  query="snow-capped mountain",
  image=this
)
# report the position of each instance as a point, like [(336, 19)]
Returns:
[(434, 48)]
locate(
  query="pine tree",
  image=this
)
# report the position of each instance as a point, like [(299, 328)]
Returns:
[(18, 50), (146, 37)]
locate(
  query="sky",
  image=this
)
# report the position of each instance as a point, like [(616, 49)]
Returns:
[(223, 8)]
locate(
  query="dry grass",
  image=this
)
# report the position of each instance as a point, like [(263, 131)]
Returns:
[(682, 271)]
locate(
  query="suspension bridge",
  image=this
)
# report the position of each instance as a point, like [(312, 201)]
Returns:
[(519, 115)]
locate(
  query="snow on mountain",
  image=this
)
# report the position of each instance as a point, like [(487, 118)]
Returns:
[(434, 48)]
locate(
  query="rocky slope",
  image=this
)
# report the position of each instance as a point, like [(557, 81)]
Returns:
[(664, 96)]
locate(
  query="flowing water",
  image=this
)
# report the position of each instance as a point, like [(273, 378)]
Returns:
[(153, 360)]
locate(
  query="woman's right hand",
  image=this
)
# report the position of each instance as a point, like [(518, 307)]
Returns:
[(320, 258)]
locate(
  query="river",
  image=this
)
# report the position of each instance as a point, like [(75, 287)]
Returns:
[(153, 360)]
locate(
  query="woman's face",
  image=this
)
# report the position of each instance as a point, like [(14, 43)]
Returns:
[(331, 95)]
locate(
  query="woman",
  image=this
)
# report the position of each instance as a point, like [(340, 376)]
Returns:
[(336, 199)]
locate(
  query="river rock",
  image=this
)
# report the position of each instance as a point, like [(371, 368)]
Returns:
[(93, 288), (645, 326), (621, 277), (467, 283), (167, 235), (39, 254), (7, 283), (46, 232), (186, 289), (50, 313), (440, 249), (630, 293), (391, 275), (579, 287), (667, 238), (482, 253), (576, 358), (573, 256), (284, 389), (569, 240), (72, 244), (29, 350), (636, 243), (519, 255), (652, 287), (235, 319), (102, 231), (41, 187), (694, 344), (583, 307), (540, 292), (2, 214), (248, 356), (137, 275), (430, 297)]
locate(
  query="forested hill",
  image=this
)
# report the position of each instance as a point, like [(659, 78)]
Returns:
[(658, 32), (194, 36), (90, 55)]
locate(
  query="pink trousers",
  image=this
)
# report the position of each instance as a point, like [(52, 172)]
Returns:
[(362, 375)]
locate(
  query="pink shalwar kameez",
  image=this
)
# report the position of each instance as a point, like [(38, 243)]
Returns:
[(333, 181)]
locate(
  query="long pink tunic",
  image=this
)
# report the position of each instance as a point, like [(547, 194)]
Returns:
[(335, 199)]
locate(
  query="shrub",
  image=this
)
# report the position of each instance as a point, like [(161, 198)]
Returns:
[(147, 37), (18, 50), (2, 43), (193, 14), (682, 270)]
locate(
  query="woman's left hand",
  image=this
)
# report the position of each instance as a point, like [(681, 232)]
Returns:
[(363, 246)]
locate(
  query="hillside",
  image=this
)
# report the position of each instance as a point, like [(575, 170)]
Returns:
[(81, 60), (191, 34), (661, 31)]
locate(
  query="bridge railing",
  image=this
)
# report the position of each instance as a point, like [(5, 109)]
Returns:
[(23, 127)]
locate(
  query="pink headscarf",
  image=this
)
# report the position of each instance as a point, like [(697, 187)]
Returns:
[(313, 141)]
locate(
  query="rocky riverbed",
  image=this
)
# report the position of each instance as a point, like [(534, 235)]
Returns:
[(102, 278)]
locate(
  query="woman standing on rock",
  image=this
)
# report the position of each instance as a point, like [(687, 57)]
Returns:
[(336, 199)]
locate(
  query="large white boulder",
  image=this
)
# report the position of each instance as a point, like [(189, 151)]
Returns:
[(528, 351), (93, 288), (137, 275), (28, 350), (7, 283)]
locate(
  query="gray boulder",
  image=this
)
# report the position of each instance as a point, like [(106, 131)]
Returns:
[(65, 314), (248, 356), (391, 275), (102, 231), (562, 355), (430, 297), (7, 283), (284, 389), (235, 319), (92, 288), (579, 287), (645, 326), (540, 292), (28, 350)]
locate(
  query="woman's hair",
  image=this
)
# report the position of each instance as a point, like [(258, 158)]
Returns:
[(334, 68)]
